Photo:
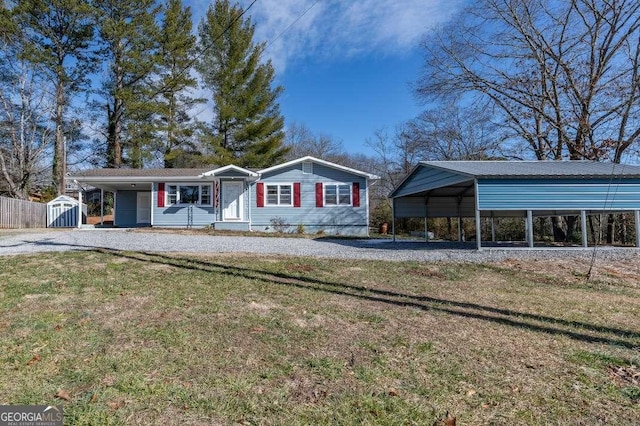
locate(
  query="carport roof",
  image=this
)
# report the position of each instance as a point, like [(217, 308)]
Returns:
[(535, 169)]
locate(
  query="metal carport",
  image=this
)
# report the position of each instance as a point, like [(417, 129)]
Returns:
[(517, 188)]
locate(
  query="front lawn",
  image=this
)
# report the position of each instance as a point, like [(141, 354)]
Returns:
[(133, 338)]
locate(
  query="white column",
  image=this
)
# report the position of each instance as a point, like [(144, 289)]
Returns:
[(530, 228), (583, 225), (80, 207), (101, 207), (637, 216)]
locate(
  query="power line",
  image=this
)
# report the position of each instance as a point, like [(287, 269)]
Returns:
[(291, 25)]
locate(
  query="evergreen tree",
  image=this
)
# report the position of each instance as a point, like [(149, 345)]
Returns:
[(175, 126), (57, 35), (129, 35), (248, 127)]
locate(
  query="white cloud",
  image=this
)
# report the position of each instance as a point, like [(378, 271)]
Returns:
[(336, 29)]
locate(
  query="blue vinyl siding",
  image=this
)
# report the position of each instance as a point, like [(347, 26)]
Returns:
[(559, 194), (126, 208), (177, 215), (425, 178), (344, 220)]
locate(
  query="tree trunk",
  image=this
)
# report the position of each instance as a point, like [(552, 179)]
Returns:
[(558, 234), (59, 160), (610, 228)]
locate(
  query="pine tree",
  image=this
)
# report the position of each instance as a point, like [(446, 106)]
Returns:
[(248, 126), (129, 35), (175, 126), (58, 34)]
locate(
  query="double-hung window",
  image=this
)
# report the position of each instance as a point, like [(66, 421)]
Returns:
[(279, 194), (189, 194), (337, 195)]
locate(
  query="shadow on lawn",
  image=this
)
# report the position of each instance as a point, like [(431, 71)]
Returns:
[(546, 324)]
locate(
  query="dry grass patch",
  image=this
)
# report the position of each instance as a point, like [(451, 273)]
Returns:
[(236, 339)]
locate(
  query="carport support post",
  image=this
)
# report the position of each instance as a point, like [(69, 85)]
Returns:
[(493, 229), (583, 226), (530, 228), (80, 208), (637, 216)]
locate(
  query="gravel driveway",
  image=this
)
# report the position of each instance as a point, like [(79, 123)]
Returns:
[(19, 241)]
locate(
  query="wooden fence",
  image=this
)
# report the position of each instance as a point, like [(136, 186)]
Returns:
[(16, 214)]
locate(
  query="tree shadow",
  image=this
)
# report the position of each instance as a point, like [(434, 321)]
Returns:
[(581, 331)]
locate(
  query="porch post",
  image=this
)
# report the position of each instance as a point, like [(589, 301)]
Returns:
[(101, 207), (249, 199), (583, 226), (80, 207), (637, 217), (530, 228)]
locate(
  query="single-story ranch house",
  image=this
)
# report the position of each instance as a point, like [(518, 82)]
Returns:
[(307, 193)]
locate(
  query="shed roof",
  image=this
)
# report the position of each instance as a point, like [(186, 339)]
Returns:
[(537, 169)]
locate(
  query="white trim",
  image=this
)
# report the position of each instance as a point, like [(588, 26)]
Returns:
[(319, 161), (366, 194), (153, 191), (200, 185), (278, 184), (226, 168), (337, 185)]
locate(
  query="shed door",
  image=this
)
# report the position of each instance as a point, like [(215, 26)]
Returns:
[(232, 200), (143, 210)]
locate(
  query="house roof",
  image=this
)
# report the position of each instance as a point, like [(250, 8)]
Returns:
[(319, 161), (148, 173), (533, 169)]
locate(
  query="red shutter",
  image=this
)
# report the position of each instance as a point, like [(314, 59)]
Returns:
[(296, 194), (319, 198), (260, 194), (161, 195), (356, 194)]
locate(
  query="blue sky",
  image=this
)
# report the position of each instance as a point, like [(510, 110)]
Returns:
[(346, 66)]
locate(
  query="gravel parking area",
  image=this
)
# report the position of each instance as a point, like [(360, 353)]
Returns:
[(26, 241)]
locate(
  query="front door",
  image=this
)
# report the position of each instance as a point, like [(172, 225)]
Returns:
[(232, 200), (143, 210)]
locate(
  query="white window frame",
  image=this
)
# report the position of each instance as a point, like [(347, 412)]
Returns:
[(279, 185), (178, 201), (337, 186)]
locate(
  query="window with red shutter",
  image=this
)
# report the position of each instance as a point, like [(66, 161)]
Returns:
[(161, 195), (260, 194), (356, 194), (296, 194), (319, 195)]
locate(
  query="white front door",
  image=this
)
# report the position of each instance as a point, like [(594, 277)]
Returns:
[(143, 210), (232, 200)]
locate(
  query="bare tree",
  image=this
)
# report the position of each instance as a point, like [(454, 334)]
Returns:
[(26, 105), (563, 74), (452, 132), (301, 142)]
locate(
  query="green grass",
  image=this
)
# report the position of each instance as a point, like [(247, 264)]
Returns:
[(173, 339)]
